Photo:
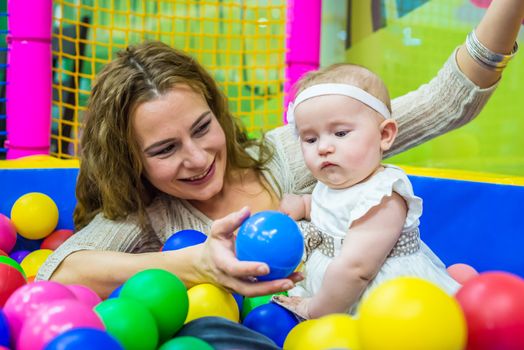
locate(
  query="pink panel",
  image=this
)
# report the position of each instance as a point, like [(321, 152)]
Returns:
[(303, 41)]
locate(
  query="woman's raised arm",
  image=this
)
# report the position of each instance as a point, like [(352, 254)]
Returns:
[(497, 32)]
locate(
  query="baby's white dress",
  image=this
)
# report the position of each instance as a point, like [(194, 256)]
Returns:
[(332, 214)]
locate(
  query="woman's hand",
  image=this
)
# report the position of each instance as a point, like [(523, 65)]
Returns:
[(219, 264)]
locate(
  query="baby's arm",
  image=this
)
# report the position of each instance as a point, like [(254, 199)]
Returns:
[(298, 207), (363, 253)]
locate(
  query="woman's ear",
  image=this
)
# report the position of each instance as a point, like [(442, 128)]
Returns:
[(388, 133)]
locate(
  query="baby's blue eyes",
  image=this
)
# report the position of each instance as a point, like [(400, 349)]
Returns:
[(341, 133)]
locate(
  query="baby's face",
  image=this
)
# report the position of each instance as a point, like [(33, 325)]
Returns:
[(340, 139)]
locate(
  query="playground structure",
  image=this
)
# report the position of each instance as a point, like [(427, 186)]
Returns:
[(244, 45), (256, 50)]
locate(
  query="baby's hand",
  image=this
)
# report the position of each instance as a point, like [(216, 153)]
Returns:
[(293, 206), (297, 305)]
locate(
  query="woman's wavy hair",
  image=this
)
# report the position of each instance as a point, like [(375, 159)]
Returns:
[(110, 179)]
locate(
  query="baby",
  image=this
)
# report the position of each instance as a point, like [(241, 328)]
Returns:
[(366, 212)]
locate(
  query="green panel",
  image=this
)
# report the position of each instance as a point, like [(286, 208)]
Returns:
[(410, 50)]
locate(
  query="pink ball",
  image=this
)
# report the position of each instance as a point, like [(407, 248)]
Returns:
[(54, 318), (462, 272), (481, 3), (85, 294), (7, 234), (28, 299)]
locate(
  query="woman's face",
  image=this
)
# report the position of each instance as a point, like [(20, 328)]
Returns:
[(182, 144)]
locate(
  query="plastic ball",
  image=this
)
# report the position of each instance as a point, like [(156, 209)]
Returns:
[(410, 313), (19, 255), (271, 237), (271, 320), (10, 280), (240, 301), (336, 331), (462, 272), (35, 215), (481, 3), (164, 295), (7, 234), (54, 318), (493, 303), (23, 243), (85, 294), (34, 260), (209, 300), (55, 239), (84, 339), (25, 301), (11, 262), (183, 239), (252, 302), (129, 322), (116, 292), (2, 253), (296, 337), (4, 330), (185, 343)]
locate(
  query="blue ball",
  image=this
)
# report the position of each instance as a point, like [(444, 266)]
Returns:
[(84, 339), (240, 301), (183, 239), (271, 320), (271, 237), (116, 292), (4, 330)]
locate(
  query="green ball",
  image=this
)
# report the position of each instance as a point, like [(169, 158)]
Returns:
[(12, 262), (250, 303), (129, 322), (185, 343), (164, 295)]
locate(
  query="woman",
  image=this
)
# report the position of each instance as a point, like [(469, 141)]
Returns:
[(161, 153), (153, 103)]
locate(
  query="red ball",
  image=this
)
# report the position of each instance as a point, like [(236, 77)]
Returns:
[(7, 234), (10, 280), (493, 303), (56, 238)]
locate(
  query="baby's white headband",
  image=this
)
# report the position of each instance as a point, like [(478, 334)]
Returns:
[(336, 89)]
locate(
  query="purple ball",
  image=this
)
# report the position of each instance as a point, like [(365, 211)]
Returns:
[(19, 255)]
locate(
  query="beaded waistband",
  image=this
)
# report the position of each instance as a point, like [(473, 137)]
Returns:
[(315, 239)]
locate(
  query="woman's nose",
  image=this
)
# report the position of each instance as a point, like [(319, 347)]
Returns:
[(194, 156)]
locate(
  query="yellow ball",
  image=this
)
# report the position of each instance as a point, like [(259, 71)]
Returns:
[(209, 300), (411, 313), (34, 260), (336, 331), (34, 215)]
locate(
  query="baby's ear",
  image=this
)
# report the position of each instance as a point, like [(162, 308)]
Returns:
[(388, 132)]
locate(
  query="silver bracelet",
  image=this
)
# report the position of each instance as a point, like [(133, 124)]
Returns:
[(489, 59)]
